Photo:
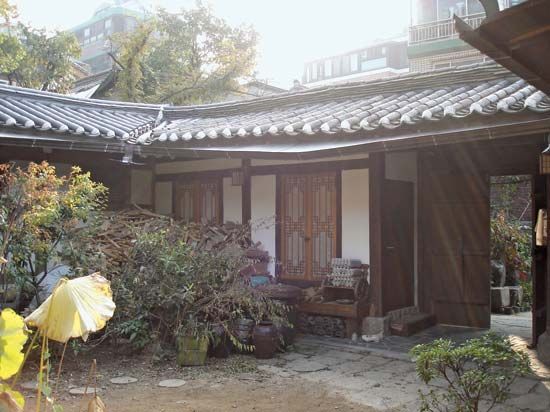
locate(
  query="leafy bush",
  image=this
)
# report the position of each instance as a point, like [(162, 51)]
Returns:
[(527, 286), (511, 243), (482, 368), (170, 288), (45, 219)]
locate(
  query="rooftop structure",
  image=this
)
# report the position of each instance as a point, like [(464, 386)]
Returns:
[(115, 16), (381, 60), (433, 40)]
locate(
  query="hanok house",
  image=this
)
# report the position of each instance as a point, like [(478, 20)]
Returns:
[(394, 173)]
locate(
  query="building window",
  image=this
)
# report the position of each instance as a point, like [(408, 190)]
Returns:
[(100, 36), (354, 62), (87, 32), (328, 68), (314, 71), (337, 66), (108, 23), (345, 65)]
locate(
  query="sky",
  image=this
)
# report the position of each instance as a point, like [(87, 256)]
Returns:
[(291, 31)]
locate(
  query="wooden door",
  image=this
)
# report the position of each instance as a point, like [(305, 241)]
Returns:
[(456, 222), (539, 262), (199, 201), (308, 219), (397, 245)]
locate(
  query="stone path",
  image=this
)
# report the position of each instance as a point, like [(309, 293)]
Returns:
[(384, 380)]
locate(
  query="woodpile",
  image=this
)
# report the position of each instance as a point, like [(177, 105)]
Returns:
[(120, 229), (322, 325)]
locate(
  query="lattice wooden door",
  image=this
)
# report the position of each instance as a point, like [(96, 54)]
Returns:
[(308, 225), (199, 201)]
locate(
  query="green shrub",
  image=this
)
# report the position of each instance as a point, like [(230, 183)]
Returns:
[(482, 368), (170, 288)]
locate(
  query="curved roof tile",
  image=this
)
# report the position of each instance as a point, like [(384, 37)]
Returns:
[(385, 104)]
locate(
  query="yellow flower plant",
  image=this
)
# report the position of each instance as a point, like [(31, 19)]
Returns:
[(12, 338)]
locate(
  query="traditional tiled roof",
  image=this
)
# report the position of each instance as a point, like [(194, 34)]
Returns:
[(397, 103), (49, 112)]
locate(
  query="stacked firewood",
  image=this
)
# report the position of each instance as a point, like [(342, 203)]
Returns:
[(322, 325), (119, 230)]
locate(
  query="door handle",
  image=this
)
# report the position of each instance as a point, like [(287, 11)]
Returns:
[(307, 238), (390, 247)]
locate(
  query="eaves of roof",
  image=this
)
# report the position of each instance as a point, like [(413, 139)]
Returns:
[(438, 102)]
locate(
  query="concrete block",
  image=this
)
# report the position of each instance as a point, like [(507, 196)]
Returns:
[(516, 295), (376, 325), (500, 298)]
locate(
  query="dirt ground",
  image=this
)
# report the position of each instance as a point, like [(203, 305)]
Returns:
[(222, 385)]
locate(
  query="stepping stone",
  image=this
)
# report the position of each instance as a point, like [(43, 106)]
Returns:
[(172, 383), (82, 391), (30, 385), (305, 366), (123, 380)]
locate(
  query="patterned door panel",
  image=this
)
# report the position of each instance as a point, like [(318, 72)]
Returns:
[(308, 225), (293, 220)]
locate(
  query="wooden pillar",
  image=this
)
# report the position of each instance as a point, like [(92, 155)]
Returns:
[(376, 181), (245, 192), (547, 295)]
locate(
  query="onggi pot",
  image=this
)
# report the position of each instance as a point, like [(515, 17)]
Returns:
[(265, 340)]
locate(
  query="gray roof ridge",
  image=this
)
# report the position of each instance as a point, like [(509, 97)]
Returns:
[(400, 83), (16, 91)]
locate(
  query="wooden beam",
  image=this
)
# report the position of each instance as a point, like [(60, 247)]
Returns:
[(376, 180), (246, 192)]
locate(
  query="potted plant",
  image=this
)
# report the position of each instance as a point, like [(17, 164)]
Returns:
[(192, 343)]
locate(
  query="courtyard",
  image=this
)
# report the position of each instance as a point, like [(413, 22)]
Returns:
[(323, 373)]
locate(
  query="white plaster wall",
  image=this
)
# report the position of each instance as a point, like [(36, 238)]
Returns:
[(355, 214), (163, 198), (141, 190), (263, 201), (232, 202), (197, 165), (404, 166)]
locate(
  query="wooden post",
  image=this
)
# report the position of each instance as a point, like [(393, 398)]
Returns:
[(547, 294), (245, 192), (376, 181)]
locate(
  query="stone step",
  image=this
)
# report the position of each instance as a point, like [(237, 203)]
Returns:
[(410, 324)]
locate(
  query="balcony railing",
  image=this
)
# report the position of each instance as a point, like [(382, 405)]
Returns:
[(441, 29)]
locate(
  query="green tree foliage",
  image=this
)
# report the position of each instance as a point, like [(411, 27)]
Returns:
[(35, 58), (45, 219), (184, 58), (11, 49), (478, 370)]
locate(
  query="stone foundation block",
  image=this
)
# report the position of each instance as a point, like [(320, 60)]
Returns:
[(543, 347), (500, 298), (376, 326)]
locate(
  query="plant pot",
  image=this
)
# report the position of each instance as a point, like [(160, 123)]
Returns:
[(265, 340), (221, 346), (243, 330), (191, 350)]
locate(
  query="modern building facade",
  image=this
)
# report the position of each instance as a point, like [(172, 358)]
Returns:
[(377, 61), (116, 16), (433, 39)]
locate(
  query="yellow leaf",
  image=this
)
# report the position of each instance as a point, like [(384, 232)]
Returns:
[(76, 308), (12, 339), (96, 405), (10, 401)]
